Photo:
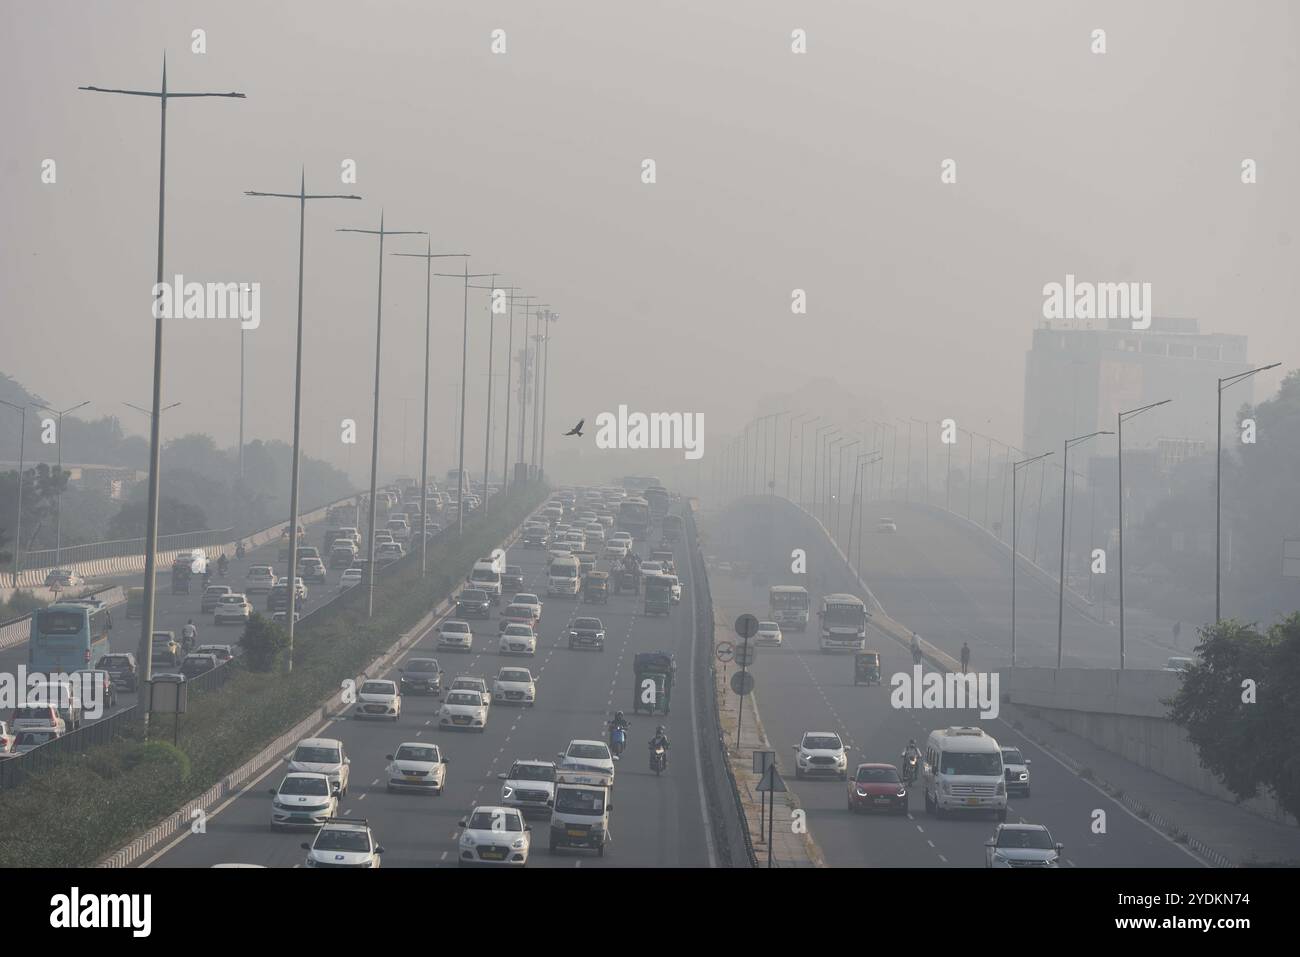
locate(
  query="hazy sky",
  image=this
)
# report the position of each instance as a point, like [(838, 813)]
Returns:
[(775, 171)]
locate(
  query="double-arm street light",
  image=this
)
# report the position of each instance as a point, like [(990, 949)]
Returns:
[(18, 522), (1015, 470), (1060, 600), (58, 498), (839, 482), (1224, 383), (1120, 419), (864, 458), (803, 427)]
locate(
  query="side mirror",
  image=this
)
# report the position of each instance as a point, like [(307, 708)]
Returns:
[(1028, 762), (337, 787), (503, 776), (1060, 847), (446, 760), (461, 822), (379, 849), (989, 843), (388, 757), (528, 827), (271, 791), (305, 846)]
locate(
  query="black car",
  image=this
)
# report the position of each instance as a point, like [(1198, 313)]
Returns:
[(278, 600), (473, 603), (421, 676), (195, 665), (587, 633), (512, 579), (121, 668)]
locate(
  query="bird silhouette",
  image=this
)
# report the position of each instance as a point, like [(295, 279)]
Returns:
[(577, 429)]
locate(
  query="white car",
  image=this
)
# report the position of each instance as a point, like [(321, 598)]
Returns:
[(769, 633), (259, 580), (821, 752), (455, 634), (886, 525), (528, 598), (587, 754), (595, 533), (417, 766), (615, 549), (232, 608), (529, 786), (652, 568), (518, 640), (494, 835), (378, 698), (624, 537), (351, 577), (674, 589), (560, 551), (516, 686), (343, 842), (1022, 845), (473, 683), (303, 799), (463, 709), (323, 756)]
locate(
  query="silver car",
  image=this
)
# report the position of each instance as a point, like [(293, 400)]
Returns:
[(1022, 845)]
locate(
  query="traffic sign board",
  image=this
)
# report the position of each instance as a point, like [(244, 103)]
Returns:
[(725, 651), (745, 654), (763, 760), (742, 682), (771, 781), (747, 626)]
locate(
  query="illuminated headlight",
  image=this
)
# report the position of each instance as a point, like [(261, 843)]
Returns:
[(841, 758), (506, 791), (902, 792), (861, 793), (803, 758), (519, 843), (1024, 775)]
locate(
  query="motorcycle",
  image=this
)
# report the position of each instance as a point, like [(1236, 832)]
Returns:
[(617, 741), (909, 768), (239, 550), (658, 759)]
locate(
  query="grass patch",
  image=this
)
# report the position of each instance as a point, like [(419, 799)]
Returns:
[(88, 805)]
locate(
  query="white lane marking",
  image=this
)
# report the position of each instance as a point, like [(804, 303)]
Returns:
[(695, 733)]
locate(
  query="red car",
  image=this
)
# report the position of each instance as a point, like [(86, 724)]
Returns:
[(517, 615), (877, 787)]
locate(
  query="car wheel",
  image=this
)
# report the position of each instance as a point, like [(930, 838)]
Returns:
[(798, 773)]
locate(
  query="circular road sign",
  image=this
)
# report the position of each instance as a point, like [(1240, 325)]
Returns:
[(725, 651), (747, 626), (742, 682)]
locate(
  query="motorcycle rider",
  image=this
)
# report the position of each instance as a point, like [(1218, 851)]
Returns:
[(916, 649), (189, 635), (222, 564), (618, 723), (910, 752), (239, 550), (660, 740)]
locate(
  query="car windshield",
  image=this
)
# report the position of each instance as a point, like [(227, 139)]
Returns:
[(465, 697), (217, 590), (965, 762), (877, 776), (1012, 756), (312, 754), (473, 596), (532, 772), (515, 674), (529, 600), (821, 742), (587, 623), (519, 631), (519, 611), (232, 600), (1025, 837), (342, 839), (768, 626), (312, 785), (35, 737), (588, 751), (377, 687), (417, 752), (455, 626), (114, 661), (503, 821), (422, 664), (580, 801)]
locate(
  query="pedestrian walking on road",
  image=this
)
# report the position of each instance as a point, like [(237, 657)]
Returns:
[(965, 657), (916, 650)]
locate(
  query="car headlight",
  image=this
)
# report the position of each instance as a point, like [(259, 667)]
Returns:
[(841, 758), (519, 843), (506, 791), (1002, 788), (467, 840), (902, 792), (1024, 775)]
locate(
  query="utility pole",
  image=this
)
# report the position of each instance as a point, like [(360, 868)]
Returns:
[(18, 521)]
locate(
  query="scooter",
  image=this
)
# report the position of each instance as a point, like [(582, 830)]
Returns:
[(617, 741), (658, 759)]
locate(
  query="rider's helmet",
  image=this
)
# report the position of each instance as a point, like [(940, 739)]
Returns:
[(659, 730), (190, 621), (911, 743), (618, 715)]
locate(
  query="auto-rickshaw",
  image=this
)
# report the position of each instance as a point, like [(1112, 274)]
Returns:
[(595, 588), (866, 668)]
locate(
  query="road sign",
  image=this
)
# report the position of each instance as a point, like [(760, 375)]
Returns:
[(725, 651), (771, 781), (763, 760), (742, 682), (747, 626), (745, 654)]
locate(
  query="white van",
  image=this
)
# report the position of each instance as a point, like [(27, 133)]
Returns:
[(962, 771), (562, 576), (486, 576)]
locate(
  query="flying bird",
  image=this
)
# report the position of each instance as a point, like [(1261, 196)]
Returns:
[(577, 429)]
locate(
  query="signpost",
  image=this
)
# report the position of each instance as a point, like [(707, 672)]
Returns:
[(746, 628), (771, 785), (762, 761), (725, 651)]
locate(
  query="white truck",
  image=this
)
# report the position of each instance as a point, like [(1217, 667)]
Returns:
[(580, 814)]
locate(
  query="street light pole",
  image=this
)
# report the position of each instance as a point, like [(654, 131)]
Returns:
[(58, 500), (374, 438), (487, 424), (18, 522), (1060, 600), (551, 317), (1224, 383), (803, 427), (1015, 470)]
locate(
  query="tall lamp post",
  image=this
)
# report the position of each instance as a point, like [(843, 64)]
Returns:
[(58, 500), (1120, 419), (1015, 470), (818, 439), (839, 483), (487, 425), (22, 448), (803, 427), (1060, 600), (1224, 383), (551, 317)]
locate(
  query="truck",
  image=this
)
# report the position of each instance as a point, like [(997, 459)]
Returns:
[(580, 814), (653, 673), (658, 595)]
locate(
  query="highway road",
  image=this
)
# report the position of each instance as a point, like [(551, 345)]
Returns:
[(798, 689), (655, 822)]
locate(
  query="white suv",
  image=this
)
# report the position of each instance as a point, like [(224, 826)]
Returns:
[(821, 752), (343, 842)]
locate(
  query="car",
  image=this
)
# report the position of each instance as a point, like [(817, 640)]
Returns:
[(351, 577), (652, 568), (1016, 767), (615, 550), (303, 799), (313, 570), (211, 595), (232, 608), (532, 601), (515, 686), (518, 639), (463, 709), (1022, 845), (886, 525), (821, 752), (121, 668), (383, 535), (587, 633), (344, 842), (378, 698), (31, 739), (194, 665), (164, 649), (389, 552), (455, 634), (259, 580), (472, 683), (674, 589), (421, 676), (624, 537), (223, 653), (342, 554), (64, 578), (1179, 664), (516, 614), (769, 633), (417, 766), (325, 756), (512, 578), (877, 787), (538, 536), (95, 686), (494, 835), (474, 603), (585, 753), (281, 617), (595, 533), (529, 786)]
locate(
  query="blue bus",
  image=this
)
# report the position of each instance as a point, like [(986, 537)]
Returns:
[(66, 636)]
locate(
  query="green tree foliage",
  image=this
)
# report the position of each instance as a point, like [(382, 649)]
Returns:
[(263, 644), (173, 516)]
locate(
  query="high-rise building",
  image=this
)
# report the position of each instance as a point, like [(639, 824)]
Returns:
[(1078, 379)]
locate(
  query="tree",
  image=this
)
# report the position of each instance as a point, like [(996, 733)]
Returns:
[(263, 644), (173, 517)]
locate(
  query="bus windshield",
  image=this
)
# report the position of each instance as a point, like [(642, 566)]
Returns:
[(790, 600), (844, 616)]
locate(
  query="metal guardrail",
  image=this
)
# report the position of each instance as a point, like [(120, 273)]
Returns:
[(94, 551)]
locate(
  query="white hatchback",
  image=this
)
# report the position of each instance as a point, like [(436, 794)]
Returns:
[(515, 686), (494, 835), (378, 698), (518, 640)]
